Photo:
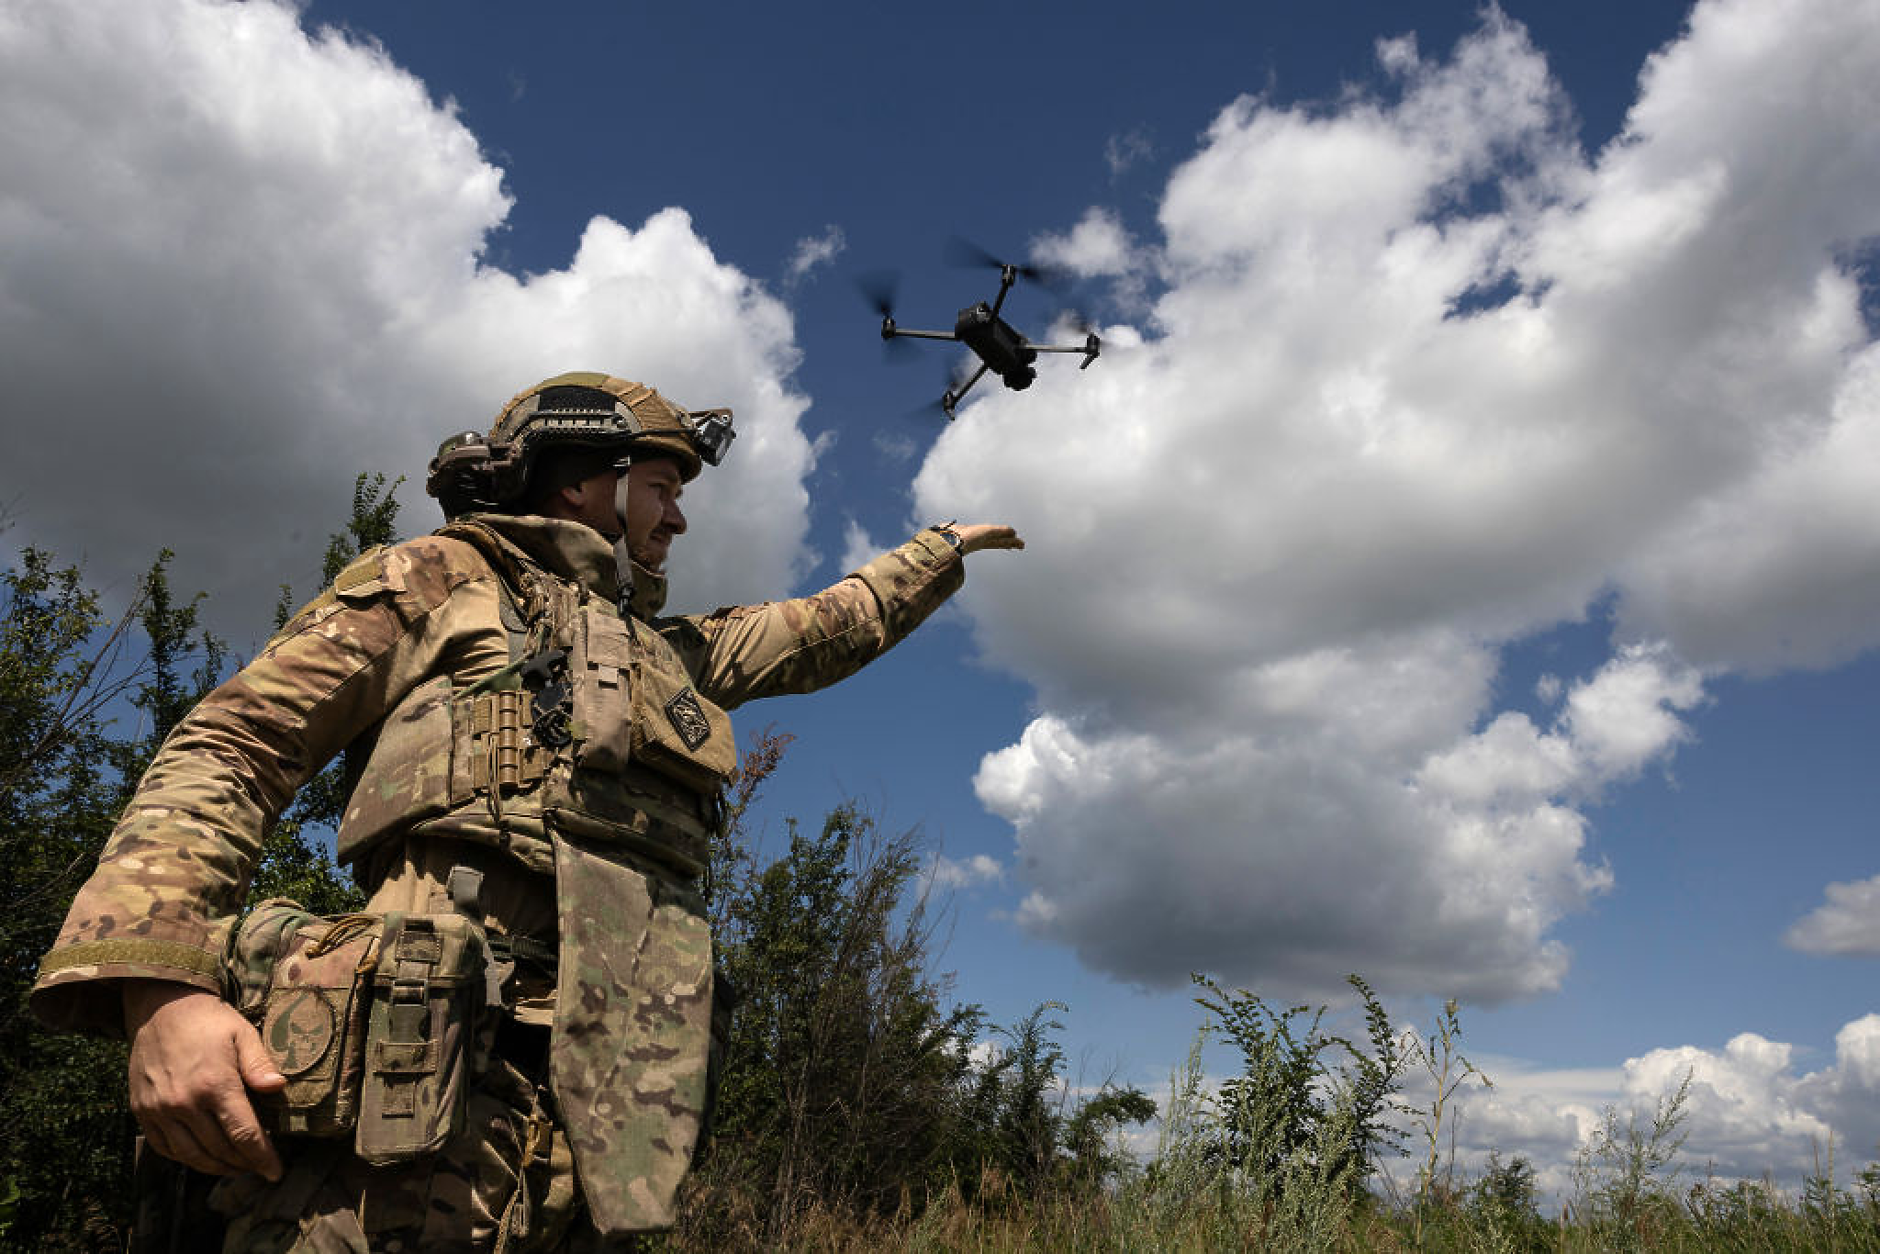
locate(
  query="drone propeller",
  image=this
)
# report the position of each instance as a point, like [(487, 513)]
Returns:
[(880, 288), (963, 252), (935, 410)]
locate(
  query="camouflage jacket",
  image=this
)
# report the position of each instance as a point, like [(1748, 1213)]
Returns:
[(175, 873)]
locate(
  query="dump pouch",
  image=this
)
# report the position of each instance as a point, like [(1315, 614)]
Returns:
[(628, 1055), (303, 981), (427, 1001)]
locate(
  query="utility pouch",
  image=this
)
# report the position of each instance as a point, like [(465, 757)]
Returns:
[(603, 708), (634, 704), (302, 980), (427, 1000), (677, 732)]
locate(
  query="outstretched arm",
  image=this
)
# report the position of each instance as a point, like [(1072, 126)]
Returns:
[(739, 654)]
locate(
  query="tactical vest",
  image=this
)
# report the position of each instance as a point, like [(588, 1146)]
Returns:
[(589, 757), (594, 728)]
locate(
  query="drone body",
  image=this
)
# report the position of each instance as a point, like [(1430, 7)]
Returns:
[(1000, 347)]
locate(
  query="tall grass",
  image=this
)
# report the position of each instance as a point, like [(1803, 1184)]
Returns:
[(1268, 1163)]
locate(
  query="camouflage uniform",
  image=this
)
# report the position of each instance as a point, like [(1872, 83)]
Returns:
[(417, 655)]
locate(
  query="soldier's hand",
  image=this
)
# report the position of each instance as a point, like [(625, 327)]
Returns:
[(193, 1060), (977, 536)]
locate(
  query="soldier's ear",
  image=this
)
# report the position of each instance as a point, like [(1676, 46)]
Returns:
[(571, 500)]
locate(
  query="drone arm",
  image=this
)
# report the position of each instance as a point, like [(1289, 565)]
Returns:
[(896, 333), (1090, 348), (953, 396), (1008, 275)]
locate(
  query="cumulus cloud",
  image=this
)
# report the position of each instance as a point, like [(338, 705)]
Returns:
[(1097, 246), (1420, 378), (244, 262), (815, 251), (1750, 1113), (1848, 922)]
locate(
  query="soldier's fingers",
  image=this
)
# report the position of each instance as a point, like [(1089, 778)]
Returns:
[(980, 536), (241, 1141), (231, 1137), (176, 1139), (247, 1142), (255, 1062)]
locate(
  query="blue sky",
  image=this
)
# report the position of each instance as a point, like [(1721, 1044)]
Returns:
[(1460, 568)]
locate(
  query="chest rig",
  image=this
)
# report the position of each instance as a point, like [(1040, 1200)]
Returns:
[(592, 728)]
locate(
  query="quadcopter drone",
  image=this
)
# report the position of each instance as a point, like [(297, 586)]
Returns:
[(1000, 347)]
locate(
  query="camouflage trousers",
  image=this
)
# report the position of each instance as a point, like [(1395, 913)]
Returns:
[(504, 1185)]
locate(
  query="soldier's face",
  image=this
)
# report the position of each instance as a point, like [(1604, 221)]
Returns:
[(653, 515)]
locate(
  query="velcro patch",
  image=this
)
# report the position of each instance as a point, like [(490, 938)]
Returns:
[(299, 1029), (688, 719), (363, 578)]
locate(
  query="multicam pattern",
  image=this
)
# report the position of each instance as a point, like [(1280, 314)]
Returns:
[(745, 652), (632, 1037), (175, 873)]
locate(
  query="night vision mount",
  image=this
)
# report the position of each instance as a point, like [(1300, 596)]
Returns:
[(1000, 347)]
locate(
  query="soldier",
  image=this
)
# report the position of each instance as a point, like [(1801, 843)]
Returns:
[(510, 1049)]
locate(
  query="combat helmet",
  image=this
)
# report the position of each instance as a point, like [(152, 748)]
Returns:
[(584, 409)]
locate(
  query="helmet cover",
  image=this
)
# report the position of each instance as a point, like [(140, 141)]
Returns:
[(589, 408), (582, 409)]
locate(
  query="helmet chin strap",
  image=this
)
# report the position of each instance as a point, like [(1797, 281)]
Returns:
[(623, 558)]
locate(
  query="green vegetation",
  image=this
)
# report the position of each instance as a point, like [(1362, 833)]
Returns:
[(85, 700), (862, 1106)]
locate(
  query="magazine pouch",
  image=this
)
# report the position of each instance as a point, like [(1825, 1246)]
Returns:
[(427, 995), (303, 981), (629, 1054)]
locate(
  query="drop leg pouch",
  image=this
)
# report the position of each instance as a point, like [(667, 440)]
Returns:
[(628, 1056)]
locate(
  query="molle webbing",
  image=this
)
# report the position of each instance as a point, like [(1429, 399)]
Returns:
[(405, 1052)]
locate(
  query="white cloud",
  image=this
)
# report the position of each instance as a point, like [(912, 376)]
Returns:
[(858, 547), (971, 872), (243, 262), (1751, 1113), (1097, 246), (815, 251), (1848, 922), (1628, 715), (1127, 149), (895, 446), (1276, 550)]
